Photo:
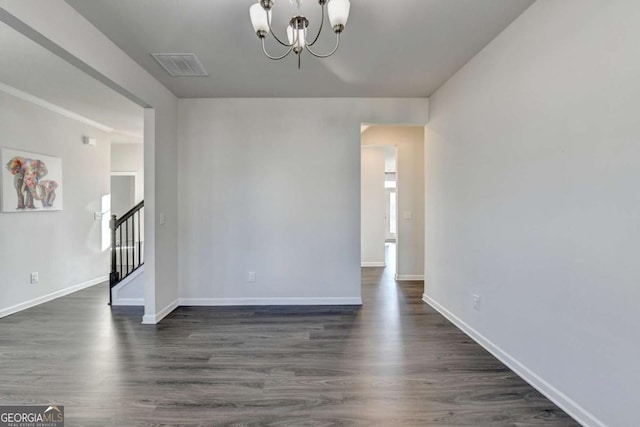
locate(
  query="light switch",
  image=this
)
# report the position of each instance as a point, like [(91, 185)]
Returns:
[(407, 214), (162, 218)]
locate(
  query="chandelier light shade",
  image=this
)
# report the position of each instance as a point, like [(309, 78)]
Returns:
[(338, 13), (298, 40), (296, 37), (260, 19)]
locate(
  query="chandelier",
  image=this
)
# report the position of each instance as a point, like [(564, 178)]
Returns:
[(338, 11)]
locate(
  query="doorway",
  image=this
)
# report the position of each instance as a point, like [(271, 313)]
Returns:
[(378, 206), (392, 200)]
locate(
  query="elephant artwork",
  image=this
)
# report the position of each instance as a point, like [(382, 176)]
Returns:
[(46, 192), (27, 174), (24, 182)]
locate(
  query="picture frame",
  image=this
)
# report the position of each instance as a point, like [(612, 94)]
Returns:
[(30, 182)]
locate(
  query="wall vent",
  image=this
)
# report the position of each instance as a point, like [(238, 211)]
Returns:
[(180, 64)]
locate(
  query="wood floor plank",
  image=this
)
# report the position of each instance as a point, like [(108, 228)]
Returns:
[(392, 362)]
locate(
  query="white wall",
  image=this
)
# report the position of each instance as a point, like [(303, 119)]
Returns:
[(130, 158), (410, 181), (57, 26), (533, 202), (273, 186), (64, 247), (373, 206), (123, 191)]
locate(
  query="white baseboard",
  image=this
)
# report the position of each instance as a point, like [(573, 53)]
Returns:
[(54, 295), (154, 319), (409, 278), (220, 302), (373, 264), (115, 291), (563, 401)]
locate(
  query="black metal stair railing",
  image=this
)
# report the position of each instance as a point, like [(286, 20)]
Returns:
[(127, 245)]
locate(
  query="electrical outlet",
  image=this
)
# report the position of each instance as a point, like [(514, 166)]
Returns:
[(476, 302), (34, 278), (251, 277)]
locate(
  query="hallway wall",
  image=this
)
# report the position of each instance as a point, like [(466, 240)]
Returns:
[(373, 207), (533, 203), (64, 247)]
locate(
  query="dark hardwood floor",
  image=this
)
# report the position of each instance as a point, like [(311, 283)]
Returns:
[(392, 362)]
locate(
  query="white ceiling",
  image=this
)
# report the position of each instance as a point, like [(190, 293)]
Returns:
[(30, 68), (391, 48)]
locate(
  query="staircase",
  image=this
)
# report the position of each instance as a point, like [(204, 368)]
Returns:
[(127, 245)]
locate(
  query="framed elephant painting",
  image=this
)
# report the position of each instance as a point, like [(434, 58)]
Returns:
[(30, 182)]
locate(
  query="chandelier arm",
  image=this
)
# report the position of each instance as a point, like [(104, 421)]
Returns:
[(329, 54), (319, 29), (274, 34), (275, 58)]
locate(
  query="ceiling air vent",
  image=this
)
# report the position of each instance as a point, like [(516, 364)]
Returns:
[(180, 64)]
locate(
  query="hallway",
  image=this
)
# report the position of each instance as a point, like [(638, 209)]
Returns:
[(392, 362)]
